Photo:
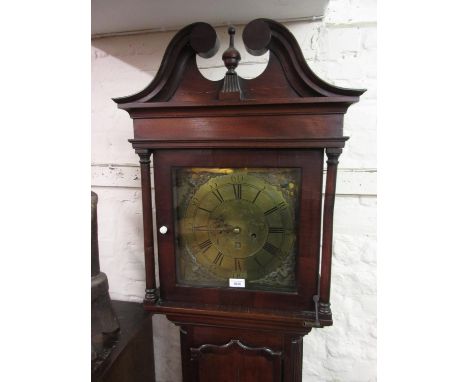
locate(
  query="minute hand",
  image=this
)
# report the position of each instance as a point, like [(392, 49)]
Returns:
[(223, 229)]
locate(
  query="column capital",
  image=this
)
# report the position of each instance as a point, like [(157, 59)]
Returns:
[(145, 155), (333, 154), (148, 239)]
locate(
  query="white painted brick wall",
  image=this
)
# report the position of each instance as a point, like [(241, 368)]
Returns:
[(342, 50)]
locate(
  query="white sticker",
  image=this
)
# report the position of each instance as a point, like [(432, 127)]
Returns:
[(237, 283)]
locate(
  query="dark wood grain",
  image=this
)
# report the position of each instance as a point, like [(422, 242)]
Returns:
[(272, 352), (285, 117), (235, 361), (310, 163), (130, 351), (196, 38), (145, 161), (275, 127), (282, 44), (327, 240)]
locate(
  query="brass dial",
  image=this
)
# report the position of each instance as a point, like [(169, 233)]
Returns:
[(238, 226)]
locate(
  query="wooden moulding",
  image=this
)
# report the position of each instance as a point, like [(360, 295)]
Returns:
[(238, 143), (179, 89), (226, 316), (287, 107), (285, 117), (208, 360)]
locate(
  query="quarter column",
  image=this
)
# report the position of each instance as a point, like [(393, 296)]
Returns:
[(327, 238), (145, 161)]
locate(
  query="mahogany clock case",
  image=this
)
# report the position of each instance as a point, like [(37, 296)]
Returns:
[(310, 162), (285, 118)]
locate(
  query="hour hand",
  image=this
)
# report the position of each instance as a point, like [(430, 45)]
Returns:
[(226, 228)]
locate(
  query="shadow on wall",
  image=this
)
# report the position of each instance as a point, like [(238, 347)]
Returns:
[(144, 53), (168, 363)]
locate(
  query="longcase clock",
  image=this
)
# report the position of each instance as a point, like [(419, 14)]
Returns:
[(244, 233)]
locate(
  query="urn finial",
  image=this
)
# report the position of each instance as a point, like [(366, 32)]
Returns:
[(231, 57)]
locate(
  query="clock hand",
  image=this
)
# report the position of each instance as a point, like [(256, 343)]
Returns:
[(220, 229)]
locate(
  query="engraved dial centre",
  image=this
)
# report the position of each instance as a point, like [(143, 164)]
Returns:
[(238, 228)]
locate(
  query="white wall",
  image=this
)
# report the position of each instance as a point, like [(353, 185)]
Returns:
[(342, 50)]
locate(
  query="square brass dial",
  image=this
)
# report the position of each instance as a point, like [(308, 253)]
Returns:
[(236, 223)]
